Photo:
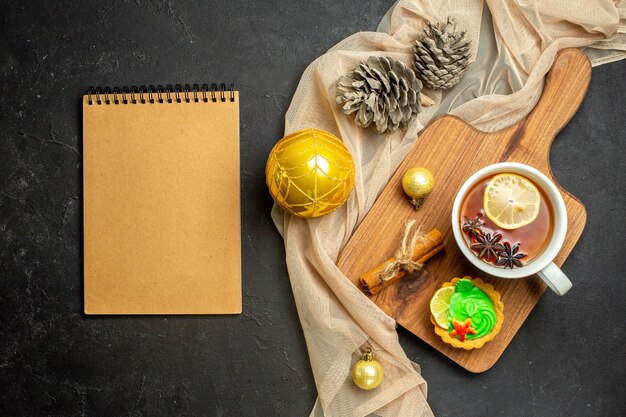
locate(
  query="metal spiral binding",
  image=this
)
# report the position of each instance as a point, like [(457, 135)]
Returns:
[(159, 94)]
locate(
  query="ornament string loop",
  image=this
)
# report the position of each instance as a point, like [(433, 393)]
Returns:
[(404, 254)]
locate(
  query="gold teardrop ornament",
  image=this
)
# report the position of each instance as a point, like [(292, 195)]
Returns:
[(417, 183), (367, 373)]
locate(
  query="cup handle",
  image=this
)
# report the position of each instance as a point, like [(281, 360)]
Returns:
[(555, 279)]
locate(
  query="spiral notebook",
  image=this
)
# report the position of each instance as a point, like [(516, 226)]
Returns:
[(161, 200)]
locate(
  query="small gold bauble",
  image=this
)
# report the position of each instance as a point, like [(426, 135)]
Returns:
[(417, 183), (367, 373), (310, 173)]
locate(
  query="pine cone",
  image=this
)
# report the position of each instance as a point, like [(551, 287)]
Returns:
[(382, 91), (441, 55)]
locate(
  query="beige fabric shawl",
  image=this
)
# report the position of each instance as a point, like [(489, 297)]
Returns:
[(515, 43)]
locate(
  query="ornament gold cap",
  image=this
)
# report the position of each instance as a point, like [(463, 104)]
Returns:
[(417, 202), (368, 355)]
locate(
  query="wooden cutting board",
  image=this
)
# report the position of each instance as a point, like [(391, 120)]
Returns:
[(453, 150)]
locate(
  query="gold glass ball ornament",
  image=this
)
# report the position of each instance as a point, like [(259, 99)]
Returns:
[(310, 173), (417, 183), (367, 373)]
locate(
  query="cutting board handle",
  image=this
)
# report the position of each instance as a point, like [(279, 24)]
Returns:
[(564, 90)]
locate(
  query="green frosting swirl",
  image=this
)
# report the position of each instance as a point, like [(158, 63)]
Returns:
[(470, 301)]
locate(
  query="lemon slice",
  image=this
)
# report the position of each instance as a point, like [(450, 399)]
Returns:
[(511, 201), (439, 306)]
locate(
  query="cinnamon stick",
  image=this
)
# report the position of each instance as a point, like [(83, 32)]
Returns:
[(433, 244)]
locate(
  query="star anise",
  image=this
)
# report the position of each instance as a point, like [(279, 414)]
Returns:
[(473, 227), (509, 257), (488, 246)]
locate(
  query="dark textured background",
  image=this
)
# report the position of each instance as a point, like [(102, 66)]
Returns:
[(568, 359)]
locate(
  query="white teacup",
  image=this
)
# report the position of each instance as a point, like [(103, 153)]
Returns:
[(541, 265)]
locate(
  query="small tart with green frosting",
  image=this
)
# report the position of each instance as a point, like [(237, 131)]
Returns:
[(475, 314)]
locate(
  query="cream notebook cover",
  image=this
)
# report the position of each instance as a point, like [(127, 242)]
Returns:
[(161, 201)]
